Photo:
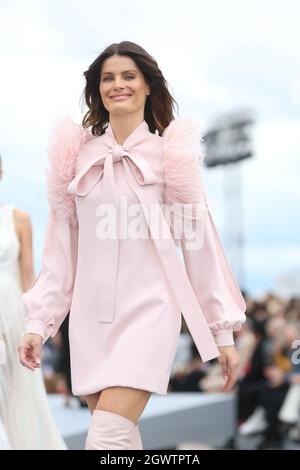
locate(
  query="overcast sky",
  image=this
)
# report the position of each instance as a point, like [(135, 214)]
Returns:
[(217, 57)]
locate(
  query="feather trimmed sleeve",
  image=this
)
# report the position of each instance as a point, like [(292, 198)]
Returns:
[(48, 300), (206, 264)]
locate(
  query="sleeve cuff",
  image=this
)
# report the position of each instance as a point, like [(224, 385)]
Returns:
[(37, 327), (224, 337)]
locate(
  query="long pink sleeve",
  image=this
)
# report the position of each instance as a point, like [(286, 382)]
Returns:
[(48, 301), (214, 283), (206, 264)]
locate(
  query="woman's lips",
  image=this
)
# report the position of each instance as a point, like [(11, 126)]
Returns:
[(120, 97)]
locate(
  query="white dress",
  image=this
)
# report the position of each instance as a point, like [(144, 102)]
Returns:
[(24, 409)]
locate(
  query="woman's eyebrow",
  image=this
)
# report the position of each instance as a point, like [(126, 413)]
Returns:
[(125, 71)]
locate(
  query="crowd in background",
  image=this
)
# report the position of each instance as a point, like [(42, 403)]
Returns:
[(268, 388)]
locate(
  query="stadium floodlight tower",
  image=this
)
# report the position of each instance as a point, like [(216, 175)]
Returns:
[(227, 142)]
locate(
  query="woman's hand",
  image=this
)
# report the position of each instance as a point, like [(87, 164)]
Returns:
[(30, 350), (229, 362)]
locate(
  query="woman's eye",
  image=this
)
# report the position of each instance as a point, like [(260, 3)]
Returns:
[(108, 78)]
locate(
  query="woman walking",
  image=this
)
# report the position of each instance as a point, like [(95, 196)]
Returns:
[(111, 250)]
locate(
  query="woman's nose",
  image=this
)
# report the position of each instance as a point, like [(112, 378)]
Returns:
[(119, 83)]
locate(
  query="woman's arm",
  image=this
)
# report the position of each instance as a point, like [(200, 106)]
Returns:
[(48, 301), (205, 261), (24, 233), (213, 282), (206, 264)]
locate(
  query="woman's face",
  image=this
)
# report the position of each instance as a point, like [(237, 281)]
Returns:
[(119, 75)]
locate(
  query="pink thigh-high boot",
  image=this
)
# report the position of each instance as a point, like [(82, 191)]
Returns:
[(111, 431)]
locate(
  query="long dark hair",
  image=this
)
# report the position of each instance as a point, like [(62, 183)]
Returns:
[(158, 112)]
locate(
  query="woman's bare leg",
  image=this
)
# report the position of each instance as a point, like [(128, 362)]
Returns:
[(128, 402), (113, 409)]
